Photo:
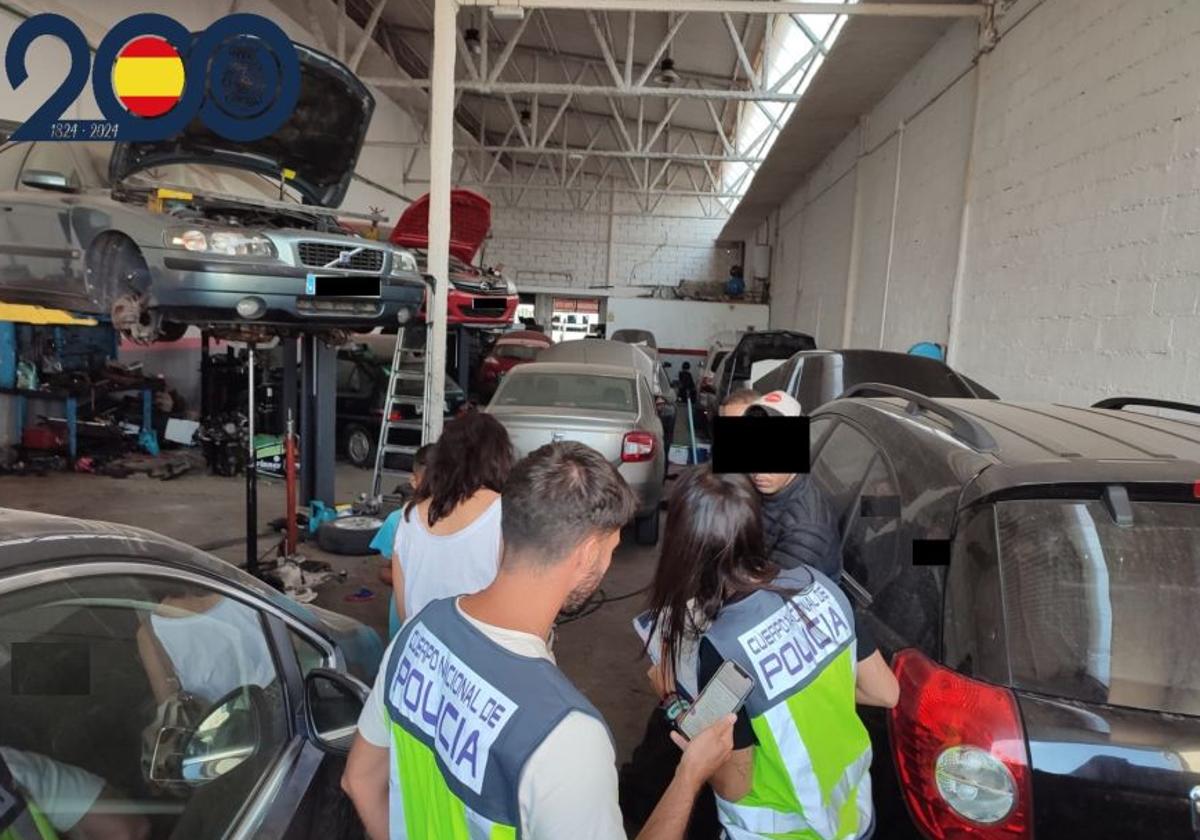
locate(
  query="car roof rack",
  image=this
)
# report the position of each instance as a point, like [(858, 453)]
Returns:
[(1146, 402), (965, 427)]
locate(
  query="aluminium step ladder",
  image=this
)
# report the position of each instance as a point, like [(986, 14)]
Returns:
[(405, 423)]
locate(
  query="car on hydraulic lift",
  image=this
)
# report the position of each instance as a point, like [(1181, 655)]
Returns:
[(478, 295), (256, 746), (1031, 570), (241, 238)]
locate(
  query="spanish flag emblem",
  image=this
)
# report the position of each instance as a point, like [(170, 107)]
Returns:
[(148, 76)]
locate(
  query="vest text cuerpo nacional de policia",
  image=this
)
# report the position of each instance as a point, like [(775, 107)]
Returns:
[(811, 776), (19, 818), (465, 714)]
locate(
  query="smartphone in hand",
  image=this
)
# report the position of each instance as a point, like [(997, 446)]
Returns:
[(724, 695)]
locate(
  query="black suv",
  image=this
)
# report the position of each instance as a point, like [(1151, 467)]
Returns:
[(1050, 684), (756, 346)]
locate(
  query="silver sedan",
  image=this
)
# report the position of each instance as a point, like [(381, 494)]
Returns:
[(609, 408)]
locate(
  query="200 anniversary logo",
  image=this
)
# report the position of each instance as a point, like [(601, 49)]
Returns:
[(151, 77)]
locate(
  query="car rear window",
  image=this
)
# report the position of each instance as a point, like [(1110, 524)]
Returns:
[(925, 376), (568, 390), (516, 351), (762, 347), (1099, 612)]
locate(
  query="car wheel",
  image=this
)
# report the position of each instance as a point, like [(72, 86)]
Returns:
[(350, 535), (120, 278), (171, 331), (646, 529), (360, 447)]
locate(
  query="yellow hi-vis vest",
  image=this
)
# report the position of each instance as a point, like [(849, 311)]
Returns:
[(19, 818), (464, 714), (811, 765)]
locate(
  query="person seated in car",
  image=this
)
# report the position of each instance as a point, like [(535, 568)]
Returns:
[(44, 799), (200, 643)]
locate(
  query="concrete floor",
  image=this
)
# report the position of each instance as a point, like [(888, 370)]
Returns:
[(599, 652)]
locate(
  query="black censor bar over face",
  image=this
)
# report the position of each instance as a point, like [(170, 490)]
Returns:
[(760, 445), (931, 552)]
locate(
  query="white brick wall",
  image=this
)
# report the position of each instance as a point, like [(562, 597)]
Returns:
[(558, 246), (1082, 258)]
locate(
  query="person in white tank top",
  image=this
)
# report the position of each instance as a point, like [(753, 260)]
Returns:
[(448, 539), (204, 644)]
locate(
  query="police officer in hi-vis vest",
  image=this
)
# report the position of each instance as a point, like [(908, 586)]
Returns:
[(471, 731), (801, 759), (43, 799)]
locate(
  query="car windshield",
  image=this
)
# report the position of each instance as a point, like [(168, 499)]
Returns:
[(569, 390), (925, 376), (1099, 612), (516, 351)]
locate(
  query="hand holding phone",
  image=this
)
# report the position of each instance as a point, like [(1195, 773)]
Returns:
[(724, 695)]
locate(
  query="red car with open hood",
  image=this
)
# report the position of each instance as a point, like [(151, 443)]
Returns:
[(478, 296)]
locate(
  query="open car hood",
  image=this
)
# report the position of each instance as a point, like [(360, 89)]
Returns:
[(470, 221), (320, 141)]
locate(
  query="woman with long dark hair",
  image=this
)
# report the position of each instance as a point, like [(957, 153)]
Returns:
[(800, 767), (448, 540)]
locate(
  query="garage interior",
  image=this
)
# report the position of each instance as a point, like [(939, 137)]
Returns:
[(1017, 181)]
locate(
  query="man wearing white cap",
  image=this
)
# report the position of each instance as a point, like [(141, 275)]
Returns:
[(799, 523)]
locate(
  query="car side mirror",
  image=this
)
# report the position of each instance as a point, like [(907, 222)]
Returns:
[(45, 179), (228, 735), (333, 703)]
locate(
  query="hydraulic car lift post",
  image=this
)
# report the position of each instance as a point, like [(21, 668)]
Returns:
[(464, 357), (251, 471), (317, 396), (318, 419)]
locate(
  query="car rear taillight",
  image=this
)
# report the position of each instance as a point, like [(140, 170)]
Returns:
[(637, 446), (394, 417), (960, 754)]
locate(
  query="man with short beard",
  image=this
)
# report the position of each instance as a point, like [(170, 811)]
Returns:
[(471, 730)]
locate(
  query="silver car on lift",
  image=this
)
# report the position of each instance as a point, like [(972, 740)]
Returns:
[(239, 237), (607, 407)]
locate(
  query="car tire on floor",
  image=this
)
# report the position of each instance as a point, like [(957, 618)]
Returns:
[(646, 529), (348, 535)]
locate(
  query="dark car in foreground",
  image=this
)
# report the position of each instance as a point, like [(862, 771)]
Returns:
[(97, 620), (815, 377), (1033, 571), (242, 238)]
